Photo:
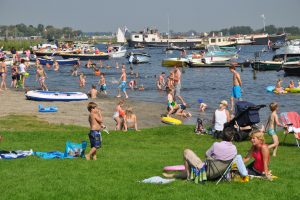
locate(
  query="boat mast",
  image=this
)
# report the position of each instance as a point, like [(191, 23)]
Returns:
[(168, 29), (264, 23)]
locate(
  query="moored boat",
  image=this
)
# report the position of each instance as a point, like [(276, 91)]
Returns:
[(38, 95), (195, 64), (171, 62), (101, 56), (266, 65), (50, 61), (291, 68)]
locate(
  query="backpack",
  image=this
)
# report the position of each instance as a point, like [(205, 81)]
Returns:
[(199, 129)]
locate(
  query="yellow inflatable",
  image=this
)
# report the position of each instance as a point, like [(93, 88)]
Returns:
[(292, 90), (171, 120)]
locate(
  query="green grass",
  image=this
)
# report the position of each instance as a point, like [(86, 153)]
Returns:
[(125, 159)]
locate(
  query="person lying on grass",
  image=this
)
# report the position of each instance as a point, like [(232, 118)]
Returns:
[(220, 153), (261, 154)]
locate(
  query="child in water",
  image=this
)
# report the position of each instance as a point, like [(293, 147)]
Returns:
[(292, 84), (278, 87), (82, 80)]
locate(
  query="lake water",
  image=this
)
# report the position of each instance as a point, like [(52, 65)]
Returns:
[(210, 84)]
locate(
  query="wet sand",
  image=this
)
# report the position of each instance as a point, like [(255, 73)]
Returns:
[(76, 113)]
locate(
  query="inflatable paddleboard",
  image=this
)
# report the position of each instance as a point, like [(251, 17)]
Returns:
[(171, 121)]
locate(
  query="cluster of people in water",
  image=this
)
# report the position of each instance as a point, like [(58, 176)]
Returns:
[(281, 90)]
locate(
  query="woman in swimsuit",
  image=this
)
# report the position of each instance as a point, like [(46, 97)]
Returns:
[(130, 120), (3, 72), (117, 117)]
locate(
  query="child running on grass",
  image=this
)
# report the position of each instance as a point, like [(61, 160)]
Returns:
[(95, 120), (271, 126)]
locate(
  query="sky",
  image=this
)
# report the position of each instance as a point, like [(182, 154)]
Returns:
[(184, 15)]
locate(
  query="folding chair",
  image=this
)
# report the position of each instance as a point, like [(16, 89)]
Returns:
[(238, 160), (292, 120)]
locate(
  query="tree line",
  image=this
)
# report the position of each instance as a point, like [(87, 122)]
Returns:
[(48, 32), (270, 29)]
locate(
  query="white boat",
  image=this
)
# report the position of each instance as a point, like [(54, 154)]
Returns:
[(38, 95), (117, 51), (291, 49)]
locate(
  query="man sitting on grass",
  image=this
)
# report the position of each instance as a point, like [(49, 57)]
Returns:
[(218, 157)]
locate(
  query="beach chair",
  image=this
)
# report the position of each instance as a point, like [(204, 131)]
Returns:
[(235, 166), (292, 121)]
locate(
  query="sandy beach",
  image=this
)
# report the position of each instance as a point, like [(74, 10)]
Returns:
[(14, 102)]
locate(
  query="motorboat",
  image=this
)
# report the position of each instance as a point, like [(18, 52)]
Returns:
[(292, 67), (291, 49), (117, 51), (138, 57), (39, 95), (51, 60)]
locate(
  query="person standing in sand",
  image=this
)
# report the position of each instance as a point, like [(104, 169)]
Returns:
[(95, 120), (3, 73), (41, 76), (236, 89), (122, 86)]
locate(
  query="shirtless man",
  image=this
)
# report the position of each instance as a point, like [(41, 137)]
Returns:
[(177, 84), (122, 86), (41, 76), (95, 120), (161, 81), (236, 89)]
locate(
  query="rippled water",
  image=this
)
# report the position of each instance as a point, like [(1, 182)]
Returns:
[(210, 84)]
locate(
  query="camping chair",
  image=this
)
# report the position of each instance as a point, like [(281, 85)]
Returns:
[(238, 162), (292, 121)]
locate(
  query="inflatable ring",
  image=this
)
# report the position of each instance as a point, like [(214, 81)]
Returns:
[(171, 121), (174, 168)]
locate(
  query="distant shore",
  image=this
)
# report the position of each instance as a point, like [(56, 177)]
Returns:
[(76, 113)]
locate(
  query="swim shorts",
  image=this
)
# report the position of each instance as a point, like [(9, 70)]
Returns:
[(122, 86), (95, 139), (271, 132), (236, 92), (103, 87), (177, 89)]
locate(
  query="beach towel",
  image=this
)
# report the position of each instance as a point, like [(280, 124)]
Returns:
[(157, 180), (15, 154), (198, 175), (72, 150)]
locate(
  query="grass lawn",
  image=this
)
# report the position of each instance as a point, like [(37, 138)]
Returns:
[(125, 159)]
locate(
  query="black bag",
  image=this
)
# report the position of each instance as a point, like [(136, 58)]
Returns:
[(199, 126), (241, 135)]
